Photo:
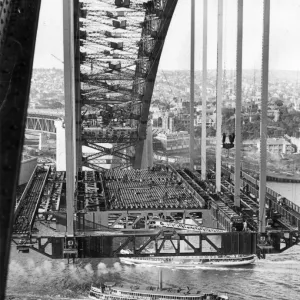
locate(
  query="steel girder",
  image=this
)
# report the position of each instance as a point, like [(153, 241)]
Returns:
[(106, 243), (120, 51), (109, 45), (18, 27), (78, 103), (97, 155), (28, 206), (40, 124), (146, 100), (120, 159)]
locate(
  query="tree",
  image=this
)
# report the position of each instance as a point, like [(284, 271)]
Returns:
[(179, 126), (279, 102), (211, 131), (255, 118), (57, 105), (198, 132)]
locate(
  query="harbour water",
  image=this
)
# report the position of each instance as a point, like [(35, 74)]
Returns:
[(33, 276), (289, 190)]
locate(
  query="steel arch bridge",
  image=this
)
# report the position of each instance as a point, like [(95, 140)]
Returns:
[(115, 48), (112, 52)]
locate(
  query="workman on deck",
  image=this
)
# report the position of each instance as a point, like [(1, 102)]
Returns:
[(231, 226), (244, 225), (246, 189)]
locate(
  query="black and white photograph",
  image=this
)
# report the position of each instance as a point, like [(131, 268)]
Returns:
[(149, 149)]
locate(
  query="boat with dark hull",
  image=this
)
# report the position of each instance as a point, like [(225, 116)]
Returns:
[(111, 291)]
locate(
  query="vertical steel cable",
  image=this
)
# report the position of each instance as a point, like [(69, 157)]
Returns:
[(238, 108), (263, 115)]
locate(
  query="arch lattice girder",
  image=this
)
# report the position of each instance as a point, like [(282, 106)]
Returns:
[(120, 43), (146, 100)]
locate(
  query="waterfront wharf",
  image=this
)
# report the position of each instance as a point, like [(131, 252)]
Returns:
[(288, 212)]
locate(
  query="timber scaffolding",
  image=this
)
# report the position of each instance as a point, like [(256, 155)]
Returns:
[(114, 211)]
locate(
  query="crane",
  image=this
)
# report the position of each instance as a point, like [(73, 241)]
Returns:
[(57, 58)]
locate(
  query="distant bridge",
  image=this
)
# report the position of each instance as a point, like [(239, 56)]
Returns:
[(42, 122)]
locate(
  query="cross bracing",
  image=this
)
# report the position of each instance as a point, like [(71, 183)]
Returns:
[(16, 68), (42, 123), (120, 45)]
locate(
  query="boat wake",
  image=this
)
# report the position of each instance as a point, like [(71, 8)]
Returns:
[(295, 262), (195, 267)]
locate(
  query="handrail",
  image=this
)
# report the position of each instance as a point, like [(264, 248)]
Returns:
[(269, 191), (273, 196), (39, 197), (24, 192), (189, 187), (228, 212), (59, 190)]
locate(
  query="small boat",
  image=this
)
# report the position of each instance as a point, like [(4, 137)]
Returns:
[(110, 291), (186, 261)]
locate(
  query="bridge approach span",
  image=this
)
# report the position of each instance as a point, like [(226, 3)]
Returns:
[(42, 122)]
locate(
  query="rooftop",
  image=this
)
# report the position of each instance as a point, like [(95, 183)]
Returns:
[(275, 141)]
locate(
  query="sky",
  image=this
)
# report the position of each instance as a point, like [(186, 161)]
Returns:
[(49, 36), (284, 35)]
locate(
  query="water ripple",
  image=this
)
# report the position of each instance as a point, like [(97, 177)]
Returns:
[(31, 275)]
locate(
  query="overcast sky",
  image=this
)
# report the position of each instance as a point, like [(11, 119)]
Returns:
[(284, 35), (49, 36)]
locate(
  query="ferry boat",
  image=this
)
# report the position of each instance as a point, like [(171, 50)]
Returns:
[(190, 261), (110, 291)]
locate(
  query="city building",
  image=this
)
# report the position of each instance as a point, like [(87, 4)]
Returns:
[(175, 142), (278, 146)]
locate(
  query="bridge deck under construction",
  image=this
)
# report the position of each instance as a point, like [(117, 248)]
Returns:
[(148, 189), (128, 199), (158, 189)]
